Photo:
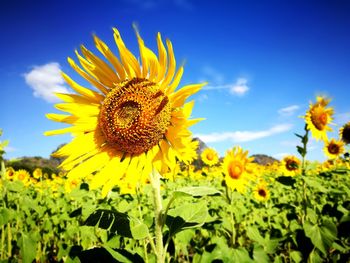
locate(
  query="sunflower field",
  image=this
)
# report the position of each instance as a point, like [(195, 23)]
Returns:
[(133, 186)]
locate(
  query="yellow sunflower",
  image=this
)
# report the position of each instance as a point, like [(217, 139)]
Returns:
[(333, 148), (261, 193), (37, 173), (209, 157), (318, 117), (133, 122), (344, 133), (291, 165), (10, 173), (235, 169), (23, 176)]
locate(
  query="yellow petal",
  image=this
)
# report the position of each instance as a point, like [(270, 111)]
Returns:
[(61, 118), (79, 109), (104, 49), (87, 76), (88, 93), (171, 66), (178, 98), (130, 63)]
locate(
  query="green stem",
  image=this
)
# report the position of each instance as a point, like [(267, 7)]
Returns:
[(233, 227), (158, 218), (9, 239), (2, 242), (141, 218)]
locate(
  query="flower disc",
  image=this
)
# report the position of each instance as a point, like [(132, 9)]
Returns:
[(135, 116)]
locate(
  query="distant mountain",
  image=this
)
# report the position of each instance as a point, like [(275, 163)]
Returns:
[(263, 159), (48, 166)]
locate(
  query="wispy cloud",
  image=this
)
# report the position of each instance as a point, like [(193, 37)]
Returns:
[(213, 75), (288, 111), (238, 88), (45, 80), (244, 136)]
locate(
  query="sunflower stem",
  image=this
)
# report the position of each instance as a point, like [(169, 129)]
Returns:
[(158, 217)]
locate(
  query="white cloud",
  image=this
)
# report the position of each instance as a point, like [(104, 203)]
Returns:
[(243, 136), (240, 87), (45, 80), (288, 111)]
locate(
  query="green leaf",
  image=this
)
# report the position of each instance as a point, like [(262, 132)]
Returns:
[(116, 255), (139, 230), (298, 135), (4, 216), (186, 216), (112, 220), (286, 180), (27, 248), (16, 186), (316, 184), (196, 191), (322, 236), (259, 255), (312, 216), (314, 257), (296, 256), (301, 151), (254, 234)]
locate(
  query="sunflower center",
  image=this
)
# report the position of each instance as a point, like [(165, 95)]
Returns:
[(235, 170), (262, 192), (320, 120), (291, 165), (333, 148), (210, 156), (346, 134), (135, 116)]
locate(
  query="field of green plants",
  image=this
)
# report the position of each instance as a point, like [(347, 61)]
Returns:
[(45, 218)]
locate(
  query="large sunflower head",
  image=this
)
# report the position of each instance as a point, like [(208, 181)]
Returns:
[(135, 120), (318, 117), (291, 165), (333, 148), (236, 170), (209, 157), (344, 133)]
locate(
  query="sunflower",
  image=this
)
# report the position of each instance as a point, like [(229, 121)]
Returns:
[(333, 148), (23, 176), (344, 133), (261, 193), (291, 165), (134, 121), (318, 117), (37, 173), (235, 168), (10, 174), (209, 157)]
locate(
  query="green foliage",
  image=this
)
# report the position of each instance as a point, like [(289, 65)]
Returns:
[(205, 222)]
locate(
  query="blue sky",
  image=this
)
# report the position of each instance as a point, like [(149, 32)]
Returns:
[(264, 62)]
